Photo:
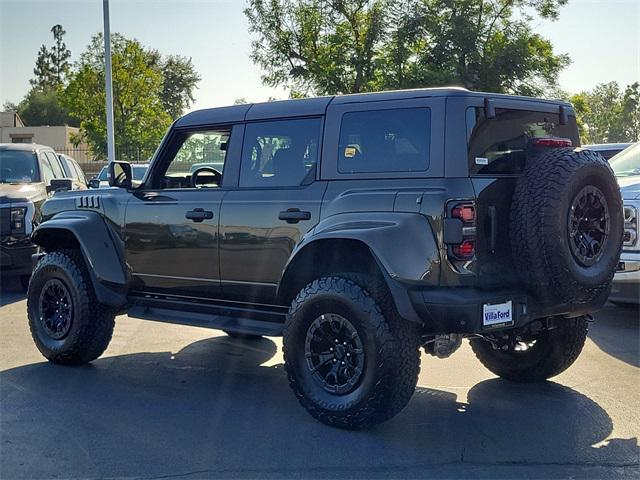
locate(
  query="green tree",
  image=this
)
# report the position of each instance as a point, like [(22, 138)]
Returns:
[(335, 46), (60, 55), (582, 109), (140, 119), (42, 106), (43, 70), (179, 80), (631, 112), (52, 64), (602, 118), (314, 46)]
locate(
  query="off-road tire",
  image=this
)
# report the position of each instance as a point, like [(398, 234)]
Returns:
[(539, 226), (391, 347), (555, 351), (92, 323)]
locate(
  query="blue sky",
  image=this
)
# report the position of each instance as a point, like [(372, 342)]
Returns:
[(601, 36)]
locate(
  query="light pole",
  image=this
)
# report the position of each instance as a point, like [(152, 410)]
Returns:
[(108, 82)]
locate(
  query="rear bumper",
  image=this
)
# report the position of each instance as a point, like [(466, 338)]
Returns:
[(460, 309), (626, 282)]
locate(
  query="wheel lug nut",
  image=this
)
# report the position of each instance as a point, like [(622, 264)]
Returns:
[(334, 360), (344, 343), (336, 340), (331, 349), (348, 354), (342, 363)]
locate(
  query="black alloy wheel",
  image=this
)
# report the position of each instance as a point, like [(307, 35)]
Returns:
[(334, 353), (588, 225), (55, 308)]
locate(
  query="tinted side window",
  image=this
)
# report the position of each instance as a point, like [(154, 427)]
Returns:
[(385, 141), (80, 174), (69, 168), (281, 153), (46, 171), (499, 145), (55, 165)]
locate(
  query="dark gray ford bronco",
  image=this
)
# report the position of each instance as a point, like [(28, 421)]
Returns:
[(360, 227)]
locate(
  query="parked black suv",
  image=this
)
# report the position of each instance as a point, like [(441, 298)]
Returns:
[(28, 174), (360, 227)]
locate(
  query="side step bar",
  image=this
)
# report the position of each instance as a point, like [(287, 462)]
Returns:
[(251, 321)]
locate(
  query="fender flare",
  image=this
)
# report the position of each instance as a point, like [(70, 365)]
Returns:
[(103, 258), (402, 244)]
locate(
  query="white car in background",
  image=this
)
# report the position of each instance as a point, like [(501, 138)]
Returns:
[(626, 283), (102, 179)]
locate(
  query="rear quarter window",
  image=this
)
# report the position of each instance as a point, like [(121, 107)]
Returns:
[(499, 145), (394, 140)]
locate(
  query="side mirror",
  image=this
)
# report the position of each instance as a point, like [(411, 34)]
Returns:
[(60, 184), (120, 174), (94, 182)]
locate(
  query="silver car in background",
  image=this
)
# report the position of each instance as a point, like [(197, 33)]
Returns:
[(626, 283)]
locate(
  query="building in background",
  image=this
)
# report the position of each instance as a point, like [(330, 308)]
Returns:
[(58, 137)]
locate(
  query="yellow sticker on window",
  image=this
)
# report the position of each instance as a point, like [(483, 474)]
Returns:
[(350, 152)]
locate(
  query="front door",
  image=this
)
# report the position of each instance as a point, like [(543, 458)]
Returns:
[(171, 230), (276, 203)]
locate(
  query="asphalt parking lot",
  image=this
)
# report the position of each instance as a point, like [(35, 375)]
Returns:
[(169, 401)]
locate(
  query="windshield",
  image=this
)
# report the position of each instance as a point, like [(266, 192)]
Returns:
[(18, 167), (627, 162)]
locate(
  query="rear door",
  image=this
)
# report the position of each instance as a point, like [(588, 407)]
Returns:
[(277, 201), (498, 150)]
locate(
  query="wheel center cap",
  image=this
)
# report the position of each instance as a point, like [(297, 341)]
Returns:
[(340, 352)]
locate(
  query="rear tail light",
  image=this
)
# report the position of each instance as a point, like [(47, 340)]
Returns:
[(552, 142), (466, 213), (466, 248)]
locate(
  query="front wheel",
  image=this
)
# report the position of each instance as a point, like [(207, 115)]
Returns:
[(349, 365), (67, 323), (534, 357)]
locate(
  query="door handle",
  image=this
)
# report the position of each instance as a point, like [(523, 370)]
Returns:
[(199, 214), (294, 215)]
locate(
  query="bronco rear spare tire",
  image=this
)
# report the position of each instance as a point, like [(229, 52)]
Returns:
[(567, 226)]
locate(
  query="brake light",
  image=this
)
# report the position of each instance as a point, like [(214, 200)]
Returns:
[(466, 213), (552, 142), (466, 249)]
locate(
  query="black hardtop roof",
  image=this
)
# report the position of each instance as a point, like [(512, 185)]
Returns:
[(24, 147), (318, 105)]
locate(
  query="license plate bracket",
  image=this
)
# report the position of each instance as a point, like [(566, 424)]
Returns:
[(497, 314)]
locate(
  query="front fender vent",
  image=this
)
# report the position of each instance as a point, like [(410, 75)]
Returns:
[(88, 201)]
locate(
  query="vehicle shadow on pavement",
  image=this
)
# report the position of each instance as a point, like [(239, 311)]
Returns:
[(616, 331), (11, 291), (219, 408)]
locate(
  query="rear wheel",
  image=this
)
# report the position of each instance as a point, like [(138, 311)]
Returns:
[(349, 364), (67, 323), (531, 357)]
